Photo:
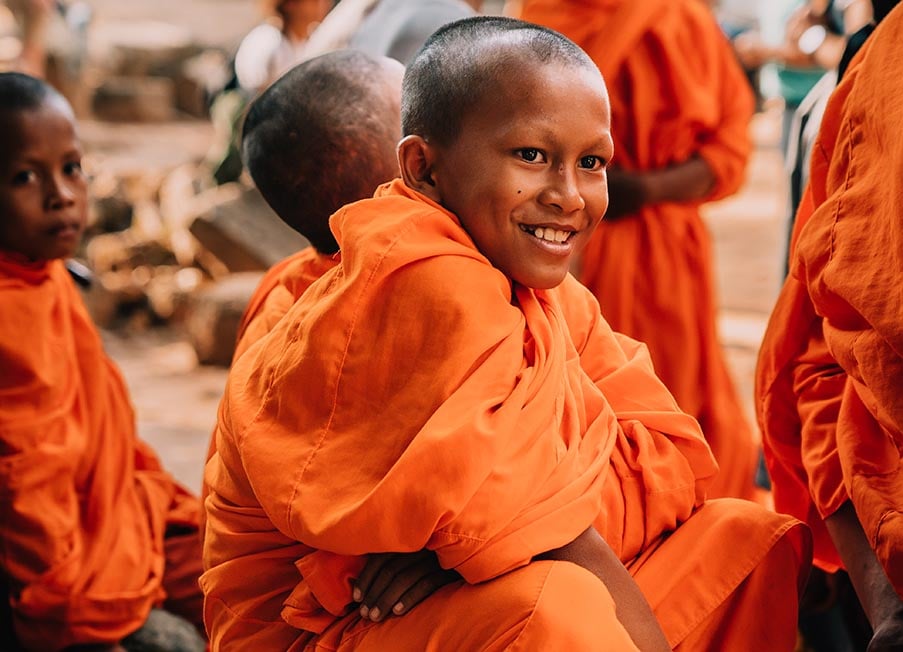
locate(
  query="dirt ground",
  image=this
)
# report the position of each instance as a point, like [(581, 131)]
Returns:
[(176, 399)]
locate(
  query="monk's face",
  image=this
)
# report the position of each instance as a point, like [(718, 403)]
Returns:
[(43, 191), (526, 175)]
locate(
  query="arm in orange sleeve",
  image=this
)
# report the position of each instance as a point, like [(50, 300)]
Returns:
[(727, 147), (622, 370), (818, 385)]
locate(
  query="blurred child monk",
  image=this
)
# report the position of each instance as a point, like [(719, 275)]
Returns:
[(450, 387), (829, 382), (681, 107), (320, 137), (94, 533)]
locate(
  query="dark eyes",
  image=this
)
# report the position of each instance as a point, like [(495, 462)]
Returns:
[(531, 154), (73, 167), (23, 177), (592, 163)]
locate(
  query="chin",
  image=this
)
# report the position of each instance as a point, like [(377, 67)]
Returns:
[(546, 282)]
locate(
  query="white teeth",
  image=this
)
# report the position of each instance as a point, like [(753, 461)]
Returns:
[(551, 235)]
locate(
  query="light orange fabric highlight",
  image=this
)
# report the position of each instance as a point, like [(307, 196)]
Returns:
[(414, 399), (830, 372), (84, 504), (676, 92)]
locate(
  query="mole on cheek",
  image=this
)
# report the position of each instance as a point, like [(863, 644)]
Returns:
[(519, 192)]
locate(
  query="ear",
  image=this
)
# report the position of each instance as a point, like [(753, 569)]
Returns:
[(416, 158)]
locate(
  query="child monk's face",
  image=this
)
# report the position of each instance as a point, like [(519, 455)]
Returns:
[(43, 191), (526, 175)]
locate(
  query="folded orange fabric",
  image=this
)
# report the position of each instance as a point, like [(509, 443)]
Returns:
[(676, 92), (278, 290), (84, 504), (414, 399), (831, 368)]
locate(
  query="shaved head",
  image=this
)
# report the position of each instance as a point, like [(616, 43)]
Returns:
[(20, 92), (464, 60), (322, 136)]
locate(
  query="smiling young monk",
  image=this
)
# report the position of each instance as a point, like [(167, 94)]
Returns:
[(93, 532), (681, 108), (463, 395), (830, 371)]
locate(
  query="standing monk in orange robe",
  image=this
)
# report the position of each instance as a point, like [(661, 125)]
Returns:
[(830, 371), (94, 533), (462, 394), (680, 112)]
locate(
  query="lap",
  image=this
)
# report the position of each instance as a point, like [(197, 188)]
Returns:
[(542, 606)]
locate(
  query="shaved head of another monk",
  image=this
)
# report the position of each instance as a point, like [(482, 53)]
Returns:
[(43, 192), (323, 135), (508, 127)]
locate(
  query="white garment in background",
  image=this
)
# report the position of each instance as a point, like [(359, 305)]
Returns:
[(264, 55)]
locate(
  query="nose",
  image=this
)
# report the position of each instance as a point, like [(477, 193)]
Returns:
[(60, 193), (563, 192)]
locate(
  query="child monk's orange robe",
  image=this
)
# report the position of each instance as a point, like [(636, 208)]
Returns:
[(676, 92), (280, 287), (412, 398), (830, 371), (84, 504)]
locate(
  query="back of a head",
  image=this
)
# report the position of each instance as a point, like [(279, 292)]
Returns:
[(322, 136), (464, 60)]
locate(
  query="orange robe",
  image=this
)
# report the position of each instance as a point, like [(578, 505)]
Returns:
[(830, 371), (84, 504), (444, 409), (676, 92), (278, 290)]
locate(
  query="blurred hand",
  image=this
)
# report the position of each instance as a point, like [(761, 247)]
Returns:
[(627, 193)]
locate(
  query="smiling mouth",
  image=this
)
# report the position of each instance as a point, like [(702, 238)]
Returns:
[(548, 233)]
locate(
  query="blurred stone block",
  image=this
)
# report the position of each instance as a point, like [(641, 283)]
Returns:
[(213, 316), (198, 79), (135, 99), (239, 228)]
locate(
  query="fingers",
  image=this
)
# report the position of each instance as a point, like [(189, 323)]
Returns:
[(395, 576), (423, 589), (393, 584), (374, 565)]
